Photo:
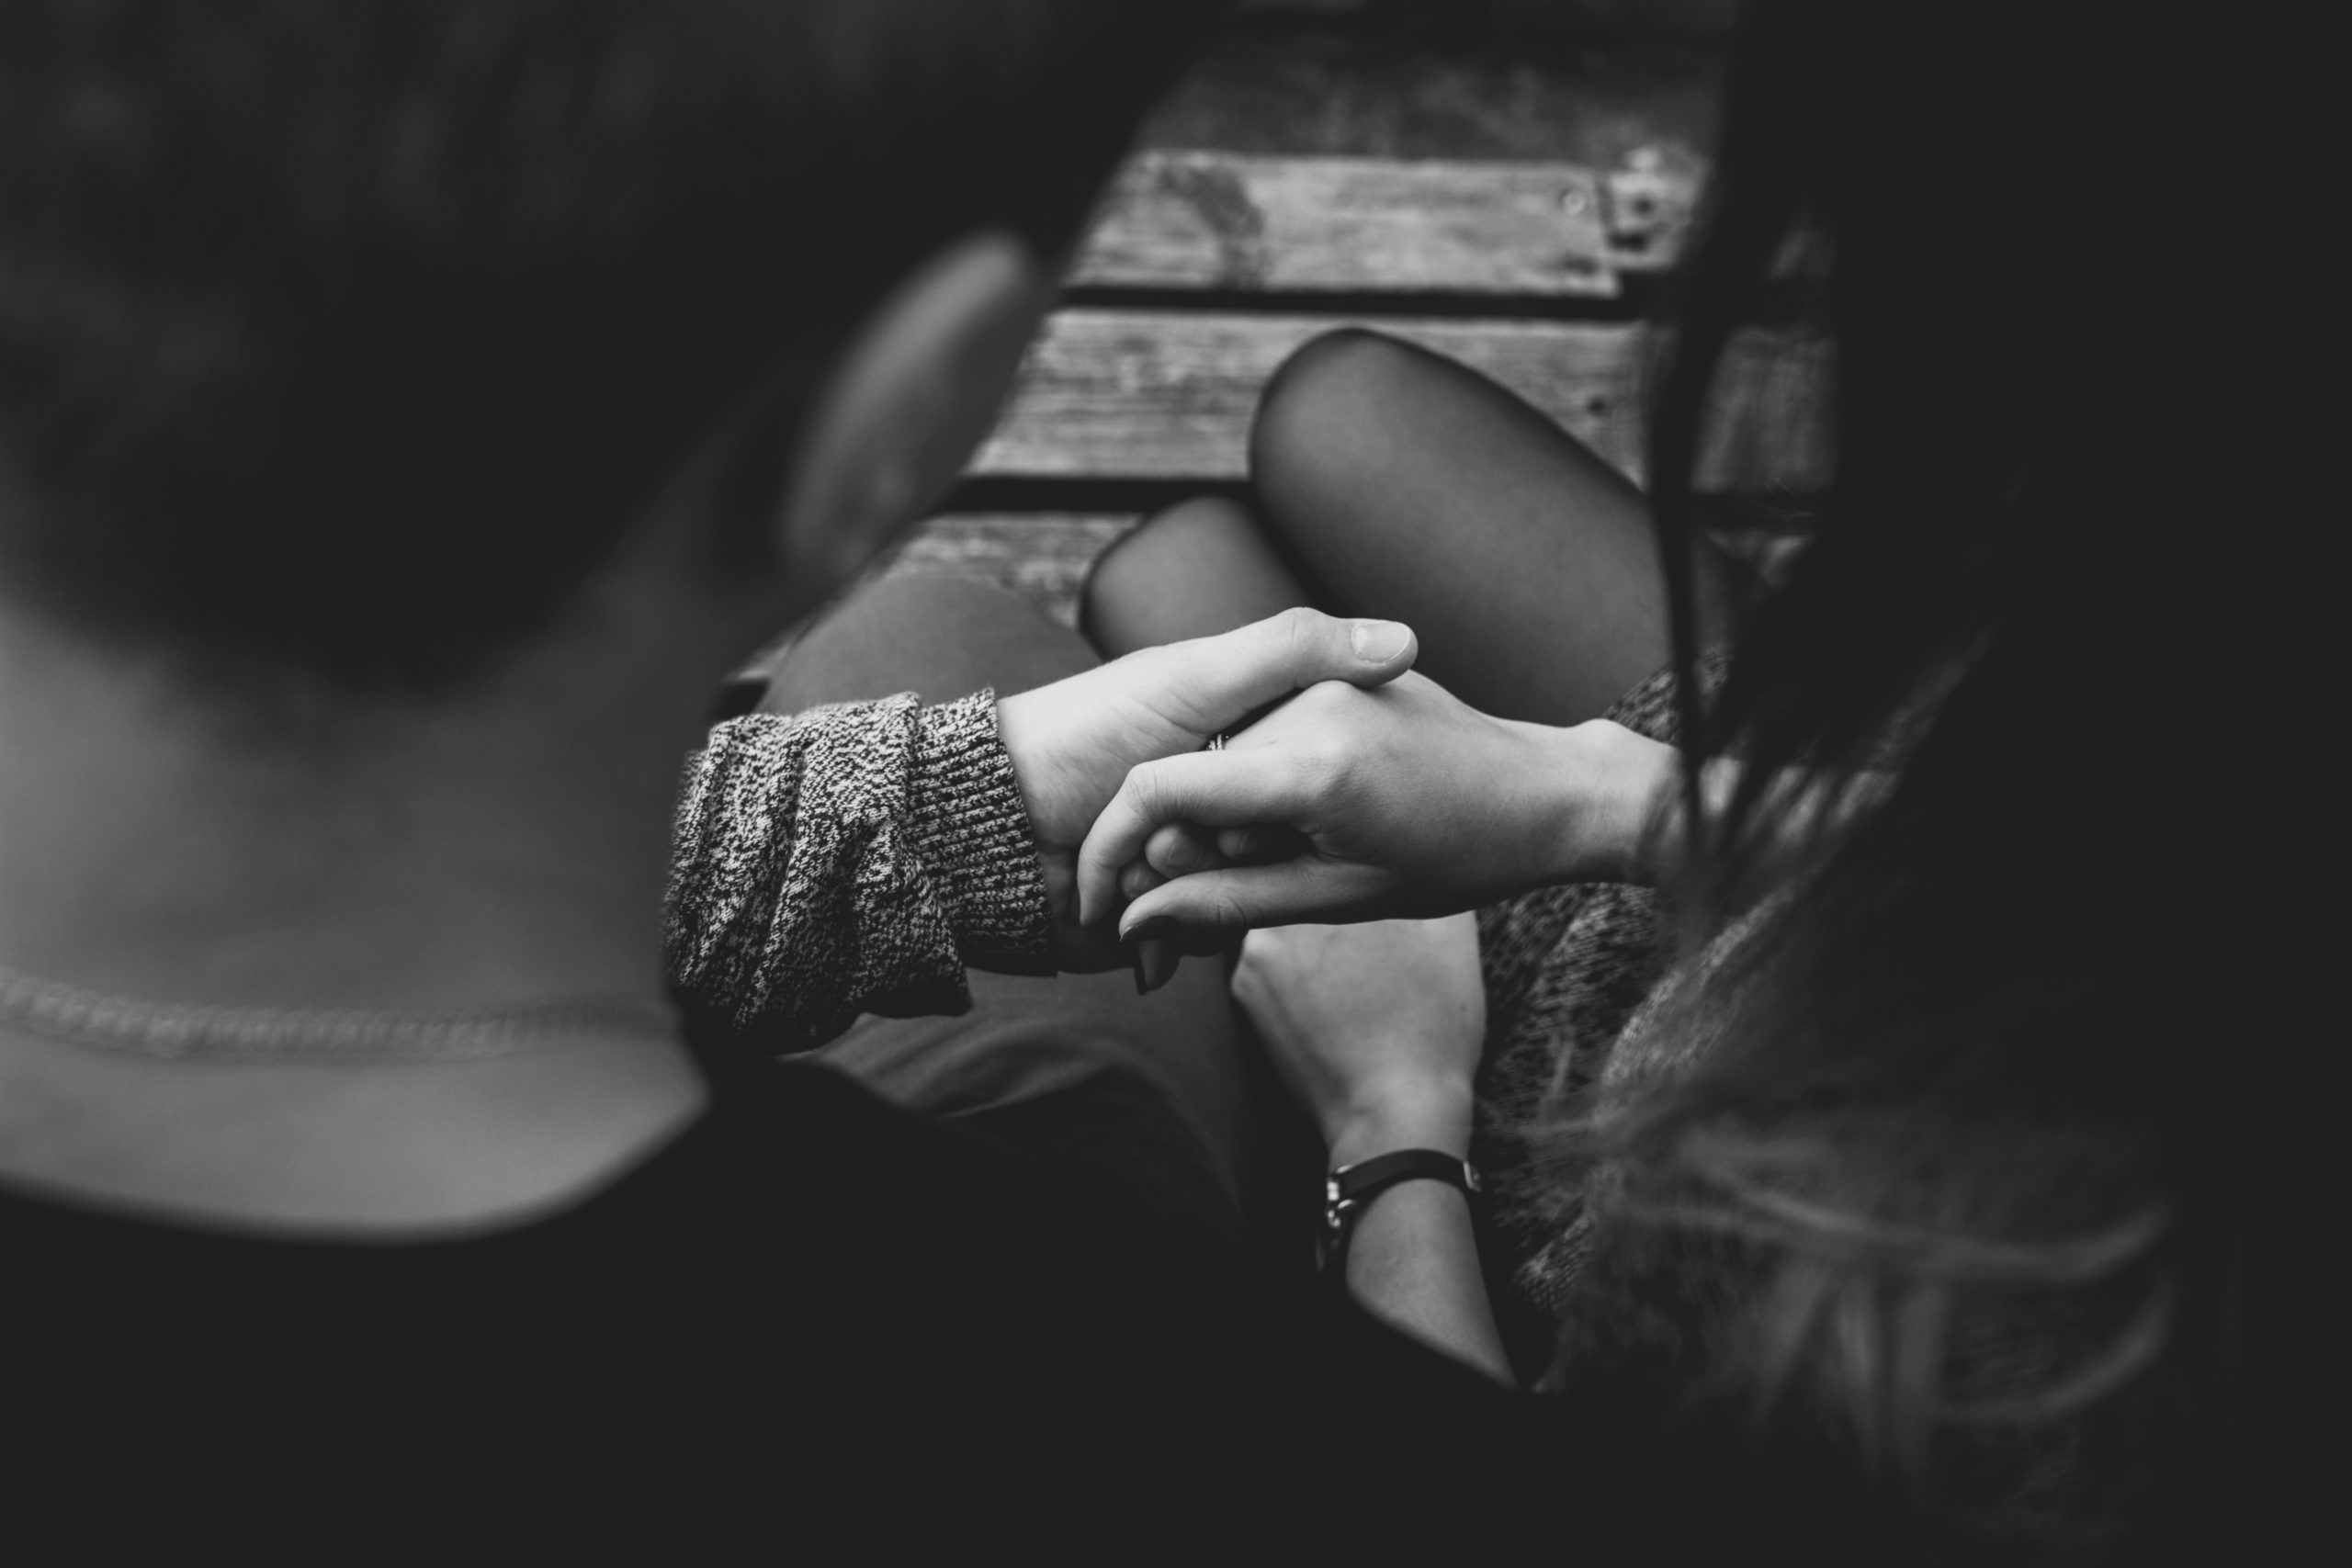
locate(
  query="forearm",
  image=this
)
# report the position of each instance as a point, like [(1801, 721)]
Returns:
[(1595, 790), (1412, 1256), (854, 857), (1413, 1263), (1609, 812)]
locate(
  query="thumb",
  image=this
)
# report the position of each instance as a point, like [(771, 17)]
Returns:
[(1225, 679)]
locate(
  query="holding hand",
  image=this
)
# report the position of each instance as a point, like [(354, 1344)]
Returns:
[(1074, 743), (1400, 800)]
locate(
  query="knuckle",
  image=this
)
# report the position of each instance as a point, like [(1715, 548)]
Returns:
[(1273, 948), (1327, 698), (1146, 793), (1307, 769), (1253, 983), (1189, 848), (1327, 771), (1296, 629)]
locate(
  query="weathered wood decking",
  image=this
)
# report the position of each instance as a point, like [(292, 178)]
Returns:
[(1204, 270)]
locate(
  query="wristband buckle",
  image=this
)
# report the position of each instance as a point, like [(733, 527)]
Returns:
[(1348, 1189)]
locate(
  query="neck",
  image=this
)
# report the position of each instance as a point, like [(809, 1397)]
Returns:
[(507, 848)]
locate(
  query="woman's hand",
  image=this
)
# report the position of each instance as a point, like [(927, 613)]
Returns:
[(1074, 743), (1375, 1028), (1399, 800)]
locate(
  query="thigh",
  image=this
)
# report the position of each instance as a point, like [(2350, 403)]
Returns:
[(940, 636), (1200, 568), (1151, 1093), (1405, 486)]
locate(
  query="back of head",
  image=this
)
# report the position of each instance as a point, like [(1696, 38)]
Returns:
[(2003, 1122), (345, 337)]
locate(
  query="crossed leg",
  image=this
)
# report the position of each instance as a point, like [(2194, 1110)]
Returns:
[(1391, 481)]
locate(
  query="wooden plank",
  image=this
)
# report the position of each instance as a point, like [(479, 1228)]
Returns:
[(1244, 222), (1169, 395), (1196, 219)]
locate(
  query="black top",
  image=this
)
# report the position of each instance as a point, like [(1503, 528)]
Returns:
[(811, 1317)]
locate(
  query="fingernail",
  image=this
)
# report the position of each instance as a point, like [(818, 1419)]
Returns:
[(1144, 931), (1376, 640), (1161, 966), (1140, 987)]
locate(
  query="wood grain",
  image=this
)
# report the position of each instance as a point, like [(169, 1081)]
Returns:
[(1169, 394), (1187, 220)]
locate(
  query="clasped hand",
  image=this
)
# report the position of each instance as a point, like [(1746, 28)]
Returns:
[(1361, 792), (1075, 743), (1369, 793), (1371, 803)]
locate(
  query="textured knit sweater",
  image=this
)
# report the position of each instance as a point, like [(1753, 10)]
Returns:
[(854, 858)]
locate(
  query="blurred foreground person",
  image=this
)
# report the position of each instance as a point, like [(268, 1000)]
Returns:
[(408, 412), (1900, 996)]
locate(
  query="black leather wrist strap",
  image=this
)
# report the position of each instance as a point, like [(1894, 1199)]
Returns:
[(1347, 1190)]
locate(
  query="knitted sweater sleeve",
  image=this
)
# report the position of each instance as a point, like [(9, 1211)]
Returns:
[(851, 859)]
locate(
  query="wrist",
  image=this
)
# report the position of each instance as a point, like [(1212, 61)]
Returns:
[(968, 820), (1604, 783), (1018, 718), (1421, 1116)]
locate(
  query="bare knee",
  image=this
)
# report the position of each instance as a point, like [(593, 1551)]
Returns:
[(1337, 378), (1200, 567), (1334, 397), (1117, 608), (1145, 553)]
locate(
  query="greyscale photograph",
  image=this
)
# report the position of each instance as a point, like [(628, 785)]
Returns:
[(1303, 782)]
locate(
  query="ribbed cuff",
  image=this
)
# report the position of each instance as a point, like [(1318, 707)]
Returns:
[(968, 822)]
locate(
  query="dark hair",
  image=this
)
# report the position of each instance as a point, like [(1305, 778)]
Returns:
[(344, 336), (1996, 1169)]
